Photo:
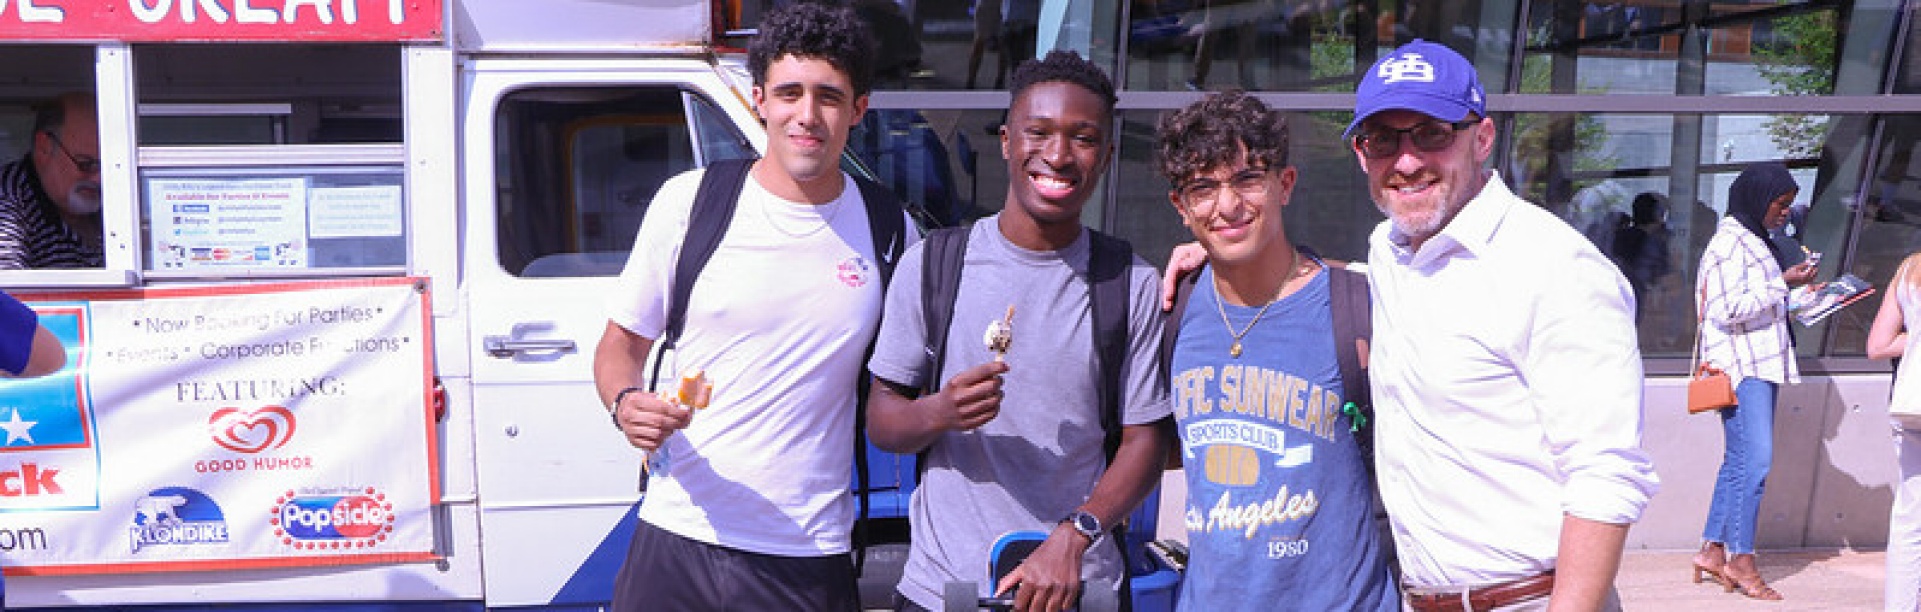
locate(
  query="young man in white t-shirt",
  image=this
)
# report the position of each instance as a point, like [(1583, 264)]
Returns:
[(747, 504)]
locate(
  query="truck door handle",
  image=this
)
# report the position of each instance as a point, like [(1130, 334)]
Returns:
[(506, 347), (502, 347)]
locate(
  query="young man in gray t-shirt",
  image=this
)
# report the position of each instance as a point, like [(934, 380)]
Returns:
[(1017, 443)]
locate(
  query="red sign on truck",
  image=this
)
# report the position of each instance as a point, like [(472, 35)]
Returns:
[(221, 20)]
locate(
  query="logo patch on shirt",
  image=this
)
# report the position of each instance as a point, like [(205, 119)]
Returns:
[(854, 271)]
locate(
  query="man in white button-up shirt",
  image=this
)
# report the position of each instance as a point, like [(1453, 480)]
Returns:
[(1506, 376)]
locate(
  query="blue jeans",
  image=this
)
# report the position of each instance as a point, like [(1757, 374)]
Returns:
[(1749, 431)]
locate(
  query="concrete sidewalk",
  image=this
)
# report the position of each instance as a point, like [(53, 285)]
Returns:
[(1827, 579)]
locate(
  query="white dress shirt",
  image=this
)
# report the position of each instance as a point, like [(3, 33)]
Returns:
[(1507, 388), (1744, 328)]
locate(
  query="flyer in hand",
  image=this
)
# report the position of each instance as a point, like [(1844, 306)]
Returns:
[(1810, 304)]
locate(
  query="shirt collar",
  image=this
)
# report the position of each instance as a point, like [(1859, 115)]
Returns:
[(1470, 230)]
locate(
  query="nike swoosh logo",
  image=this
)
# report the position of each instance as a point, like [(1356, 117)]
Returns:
[(887, 255)]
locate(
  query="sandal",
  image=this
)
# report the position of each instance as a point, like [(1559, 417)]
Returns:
[(1752, 589), (1712, 563), (1712, 574)]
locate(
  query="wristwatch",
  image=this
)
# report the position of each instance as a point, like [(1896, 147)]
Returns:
[(1087, 524)]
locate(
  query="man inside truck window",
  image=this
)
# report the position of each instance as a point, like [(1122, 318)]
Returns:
[(50, 199), (747, 504)]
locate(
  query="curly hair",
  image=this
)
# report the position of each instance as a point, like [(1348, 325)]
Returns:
[(1063, 66), (1209, 133), (815, 30)]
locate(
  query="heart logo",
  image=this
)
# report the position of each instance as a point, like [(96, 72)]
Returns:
[(251, 431)]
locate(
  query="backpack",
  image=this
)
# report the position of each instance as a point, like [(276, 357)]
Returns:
[(713, 211), (945, 255)]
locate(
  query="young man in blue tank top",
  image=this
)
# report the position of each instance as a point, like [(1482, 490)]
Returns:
[(1280, 503)]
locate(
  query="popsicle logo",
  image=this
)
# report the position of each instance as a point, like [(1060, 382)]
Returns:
[(251, 431), (360, 519)]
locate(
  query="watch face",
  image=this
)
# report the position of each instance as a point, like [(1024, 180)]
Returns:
[(1086, 523)]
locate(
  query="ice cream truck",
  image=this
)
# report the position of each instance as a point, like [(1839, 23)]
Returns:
[(338, 356)]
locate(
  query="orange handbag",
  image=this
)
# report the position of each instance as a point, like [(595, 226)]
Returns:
[(1709, 389)]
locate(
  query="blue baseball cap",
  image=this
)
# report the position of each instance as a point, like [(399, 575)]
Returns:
[(1423, 77)]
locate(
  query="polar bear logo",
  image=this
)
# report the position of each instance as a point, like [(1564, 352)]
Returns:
[(160, 509)]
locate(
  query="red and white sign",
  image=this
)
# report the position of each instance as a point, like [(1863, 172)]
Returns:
[(222, 20), (183, 413)]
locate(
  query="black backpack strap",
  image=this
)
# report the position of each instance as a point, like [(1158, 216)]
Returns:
[(889, 229), (1353, 315), (943, 254), (887, 221), (1171, 329), (713, 210), (942, 259), (1353, 326), (1108, 261)]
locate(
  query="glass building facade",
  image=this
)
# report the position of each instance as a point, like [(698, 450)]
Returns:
[(1599, 105)]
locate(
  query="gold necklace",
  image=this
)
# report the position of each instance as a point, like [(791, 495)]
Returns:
[(1220, 304)]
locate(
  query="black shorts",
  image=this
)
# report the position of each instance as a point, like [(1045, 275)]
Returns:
[(665, 571)]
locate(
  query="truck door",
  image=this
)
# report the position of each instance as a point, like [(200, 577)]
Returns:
[(561, 158)]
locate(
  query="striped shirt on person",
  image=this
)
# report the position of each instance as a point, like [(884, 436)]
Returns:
[(32, 234)]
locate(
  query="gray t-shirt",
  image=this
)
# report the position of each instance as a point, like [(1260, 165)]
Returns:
[(1039, 458)]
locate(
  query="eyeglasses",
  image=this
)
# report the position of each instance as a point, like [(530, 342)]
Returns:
[(1200, 195), (88, 165), (1428, 136)]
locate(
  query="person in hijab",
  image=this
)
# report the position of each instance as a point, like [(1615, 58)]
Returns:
[(1743, 292)]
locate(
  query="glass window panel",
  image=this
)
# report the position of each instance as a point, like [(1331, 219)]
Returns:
[(307, 93), (577, 167), (1642, 47), (65, 157), (1773, 50), (1290, 46), (946, 164), (1890, 219), (1606, 173)]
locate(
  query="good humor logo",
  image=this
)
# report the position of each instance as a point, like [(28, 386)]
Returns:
[(251, 431), (333, 520), (176, 516)]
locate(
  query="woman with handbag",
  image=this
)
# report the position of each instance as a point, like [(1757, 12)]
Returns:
[(1888, 338), (1744, 332)]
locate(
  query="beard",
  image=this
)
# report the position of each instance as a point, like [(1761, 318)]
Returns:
[(1415, 224), (1424, 219), (82, 199)]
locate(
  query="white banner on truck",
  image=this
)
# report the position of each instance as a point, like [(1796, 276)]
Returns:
[(224, 427)]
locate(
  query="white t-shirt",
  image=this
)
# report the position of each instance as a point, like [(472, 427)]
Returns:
[(779, 320)]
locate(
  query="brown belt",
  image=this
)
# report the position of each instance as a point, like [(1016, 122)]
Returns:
[(1483, 599)]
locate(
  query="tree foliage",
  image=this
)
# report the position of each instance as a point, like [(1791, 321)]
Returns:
[(1799, 60)]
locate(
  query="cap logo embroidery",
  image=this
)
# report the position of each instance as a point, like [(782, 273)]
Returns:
[(1409, 67)]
